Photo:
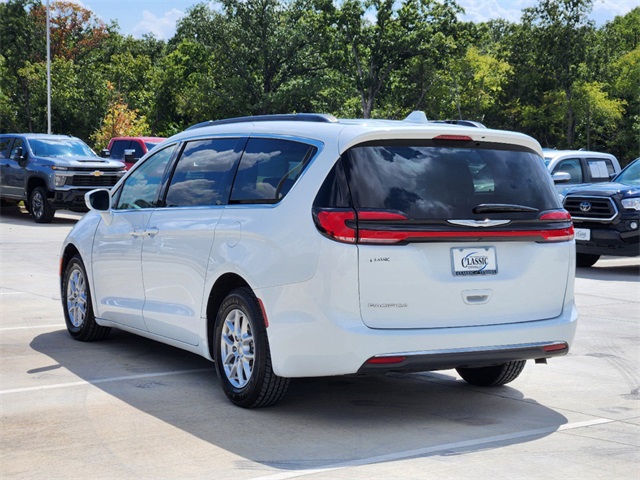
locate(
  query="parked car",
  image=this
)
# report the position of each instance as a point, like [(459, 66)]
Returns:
[(49, 172), (607, 217), (301, 245), (569, 168), (130, 149)]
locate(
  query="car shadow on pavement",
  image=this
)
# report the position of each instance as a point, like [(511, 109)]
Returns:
[(20, 216), (621, 273), (320, 422)]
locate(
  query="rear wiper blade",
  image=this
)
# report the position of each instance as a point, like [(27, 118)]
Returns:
[(502, 208)]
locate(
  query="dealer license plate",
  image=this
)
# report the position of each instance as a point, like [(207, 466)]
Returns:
[(582, 234), (474, 261)]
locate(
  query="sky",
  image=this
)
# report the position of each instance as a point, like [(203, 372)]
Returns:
[(138, 17)]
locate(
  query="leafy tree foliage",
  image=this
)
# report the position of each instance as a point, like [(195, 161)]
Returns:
[(553, 75)]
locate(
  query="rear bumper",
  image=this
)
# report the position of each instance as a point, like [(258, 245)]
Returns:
[(617, 239), (447, 359), (317, 340)]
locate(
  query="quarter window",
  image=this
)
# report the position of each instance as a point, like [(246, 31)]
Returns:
[(203, 174), (600, 169), (268, 169), (4, 147), (142, 187)]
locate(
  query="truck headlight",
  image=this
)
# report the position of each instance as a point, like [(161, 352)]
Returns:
[(631, 203), (59, 180)]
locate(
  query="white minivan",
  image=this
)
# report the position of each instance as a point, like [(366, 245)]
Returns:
[(301, 245)]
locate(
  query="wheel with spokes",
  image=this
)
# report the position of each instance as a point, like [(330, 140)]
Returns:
[(76, 304), (39, 207), (243, 359)]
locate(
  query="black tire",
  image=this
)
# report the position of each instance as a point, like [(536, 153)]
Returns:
[(76, 304), (39, 207), (494, 376), (241, 341), (586, 260)]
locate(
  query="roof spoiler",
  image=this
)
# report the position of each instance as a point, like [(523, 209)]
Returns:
[(286, 117)]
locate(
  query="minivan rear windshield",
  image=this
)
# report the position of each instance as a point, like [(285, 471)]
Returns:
[(429, 181)]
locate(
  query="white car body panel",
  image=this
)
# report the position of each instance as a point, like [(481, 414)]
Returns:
[(315, 291)]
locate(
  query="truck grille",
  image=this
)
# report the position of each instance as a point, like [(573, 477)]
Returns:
[(91, 181), (590, 208)]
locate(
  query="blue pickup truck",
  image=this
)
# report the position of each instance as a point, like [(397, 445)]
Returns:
[(606, 217), (50, 172)]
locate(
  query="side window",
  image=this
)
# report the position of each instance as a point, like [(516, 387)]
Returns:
[(600, 169), (139, 152), (268, 169), (118, 148), (142, 187), (572, 167), (203, 174), (17, 143), (4, 147)]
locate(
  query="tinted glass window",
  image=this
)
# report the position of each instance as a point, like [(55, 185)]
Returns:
[(572, 167), (14, 147), (118, 148), (4, 146), (60, 147), (600, 169), (139, 152), (434, 182), (204, 173), (268, 169), (141, 188)]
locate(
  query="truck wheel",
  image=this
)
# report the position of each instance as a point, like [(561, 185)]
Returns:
[(586, 260), (39, 207), (242, 357), (76, 304), (494, 376)]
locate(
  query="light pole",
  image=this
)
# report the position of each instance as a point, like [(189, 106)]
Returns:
[(48, 72)]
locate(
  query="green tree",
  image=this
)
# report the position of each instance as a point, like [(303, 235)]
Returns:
[(119, 121), (560, 36), (373, 51)]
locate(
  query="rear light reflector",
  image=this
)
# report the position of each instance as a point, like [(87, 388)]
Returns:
[(386, 360), (555, 347)]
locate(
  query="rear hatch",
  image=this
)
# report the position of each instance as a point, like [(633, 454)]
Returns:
[(450, 232)]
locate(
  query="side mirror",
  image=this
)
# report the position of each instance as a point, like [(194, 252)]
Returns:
[(612, 175), (98, 200), (129, 155), (19, 154), (561, 177), (106, 153)]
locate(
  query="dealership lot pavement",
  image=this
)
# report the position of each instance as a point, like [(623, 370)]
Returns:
[(131, 408)]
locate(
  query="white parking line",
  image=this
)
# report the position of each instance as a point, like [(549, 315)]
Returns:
[(8, 329), (435, 449), (101, 380)]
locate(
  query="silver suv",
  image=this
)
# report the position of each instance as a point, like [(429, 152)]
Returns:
[(301, 245)]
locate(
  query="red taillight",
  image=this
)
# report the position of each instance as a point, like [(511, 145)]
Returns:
[(333, 223), (555, 216), (390, 227), (386, 360)]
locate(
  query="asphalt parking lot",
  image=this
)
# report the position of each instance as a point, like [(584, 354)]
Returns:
[(131, 408)]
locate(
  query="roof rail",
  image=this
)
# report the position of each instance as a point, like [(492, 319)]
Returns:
[(284, 117), (465, 123)]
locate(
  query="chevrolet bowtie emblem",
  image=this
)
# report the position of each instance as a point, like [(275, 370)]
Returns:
[(97, 173)]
